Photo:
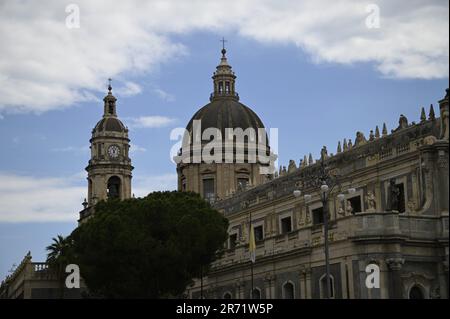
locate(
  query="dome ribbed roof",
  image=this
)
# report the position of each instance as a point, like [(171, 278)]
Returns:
[(226, 113), (110, 124)]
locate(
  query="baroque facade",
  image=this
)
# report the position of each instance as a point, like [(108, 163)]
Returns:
[(394, 213)]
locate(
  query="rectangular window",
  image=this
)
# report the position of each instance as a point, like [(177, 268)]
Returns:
[(317, 216), (242, 182), (208, 189), (356, 204), (220, 87), (227, 87), (401, 198), (259, 235), (183, 185), (233, 241), (286, 225)]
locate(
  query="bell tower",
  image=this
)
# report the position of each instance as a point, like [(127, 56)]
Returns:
[(109, 169)]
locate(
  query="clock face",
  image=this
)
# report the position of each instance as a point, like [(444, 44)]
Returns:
[(113, 151)]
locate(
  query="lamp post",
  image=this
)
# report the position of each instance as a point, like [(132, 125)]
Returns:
[(326, 182)]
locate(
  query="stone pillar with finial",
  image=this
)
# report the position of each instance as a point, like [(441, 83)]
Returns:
[(423, 117), (431, 115), (444, 114), (384, 131), (377, 132)]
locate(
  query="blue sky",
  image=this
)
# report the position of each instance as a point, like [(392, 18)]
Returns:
[(316, 86)]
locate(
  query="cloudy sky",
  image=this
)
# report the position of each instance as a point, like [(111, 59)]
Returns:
[(317, 70)]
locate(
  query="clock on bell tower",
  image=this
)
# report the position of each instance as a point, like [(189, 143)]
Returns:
[(109, 169)]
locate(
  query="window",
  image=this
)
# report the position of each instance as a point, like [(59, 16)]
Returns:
[(259, 235), (288, 291), (111, 107), (324, 288), (256, 294), (286, 225), (183, 184), (113, 190), (227, 87), (99, 149), (416, 293), (355, 202), (317, 216), (208, 189), (227, 295), (220, 87), (233, 241), (242, 182)]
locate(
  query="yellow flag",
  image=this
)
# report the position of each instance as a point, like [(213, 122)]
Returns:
[(252, 245)]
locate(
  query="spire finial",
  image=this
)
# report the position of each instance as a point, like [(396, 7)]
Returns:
[(109, 85), (223, 46), (431, 115), (423, 117)]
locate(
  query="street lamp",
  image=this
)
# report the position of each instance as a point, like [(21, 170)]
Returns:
[(326, 182)]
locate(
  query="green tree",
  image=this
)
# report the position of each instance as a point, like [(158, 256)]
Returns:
[(148, 247), (58, 257)]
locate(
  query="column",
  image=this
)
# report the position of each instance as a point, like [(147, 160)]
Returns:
[(395, 266)]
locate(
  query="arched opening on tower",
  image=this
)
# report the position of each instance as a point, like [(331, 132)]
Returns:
[(416, 293), (114, 187)]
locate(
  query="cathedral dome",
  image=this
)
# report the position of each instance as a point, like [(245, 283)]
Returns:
[(224, 110), (226, 113), (110, 124)]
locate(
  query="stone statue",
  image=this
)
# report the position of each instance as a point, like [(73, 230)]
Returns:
[(371, 201), (402, 122), (349, 208), (360, 139), (393, 197), (324, 153), (444, 125), (341, 210), (292, 166)]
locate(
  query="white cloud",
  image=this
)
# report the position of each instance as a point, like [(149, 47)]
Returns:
[(45, 199), (163, 95), (129, 89), (31, 199), (45, 65), (150, 121), (136, 148)]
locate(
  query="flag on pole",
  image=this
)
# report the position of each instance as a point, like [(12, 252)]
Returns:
[(252, 245)]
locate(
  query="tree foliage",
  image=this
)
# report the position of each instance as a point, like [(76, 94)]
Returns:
[(149, 247), (60, 254)]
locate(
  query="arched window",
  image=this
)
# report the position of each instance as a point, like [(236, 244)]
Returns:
[(288, 290), (114, 187), (227, 295), (324, 288), (416, 293), (256, 293)]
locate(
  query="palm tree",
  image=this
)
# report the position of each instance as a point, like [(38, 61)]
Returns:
[(58, 257)]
